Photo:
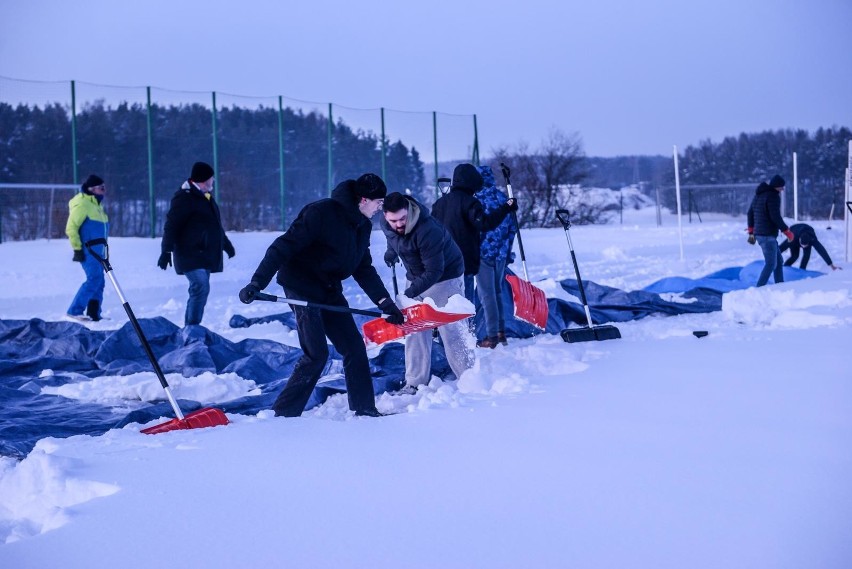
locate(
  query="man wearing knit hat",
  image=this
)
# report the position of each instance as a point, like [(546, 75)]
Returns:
[(764, 222), (87, 220), (327, 243), (193, 238)]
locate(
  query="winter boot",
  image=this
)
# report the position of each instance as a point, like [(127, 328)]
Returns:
[(501, 337), (488, 342), (93, 310)]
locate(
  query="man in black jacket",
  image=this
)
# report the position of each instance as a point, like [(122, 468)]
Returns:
[(193, 238), (434, 268), (327, 243), (804, 237), (466, 220), (764, 222)]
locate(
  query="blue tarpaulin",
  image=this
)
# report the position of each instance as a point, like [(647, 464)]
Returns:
[(75, 353)]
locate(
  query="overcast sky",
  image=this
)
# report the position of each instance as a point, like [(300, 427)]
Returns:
[(631, 77)]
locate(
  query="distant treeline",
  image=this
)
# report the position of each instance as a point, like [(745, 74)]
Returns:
[(36, 147), (745, 159)]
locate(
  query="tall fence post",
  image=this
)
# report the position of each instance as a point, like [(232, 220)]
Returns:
[(795, 189), (330, 158), (283, 199), (384, 146), (151, 201), (435, 147), (73, 132), (215, 149), (677, 195)]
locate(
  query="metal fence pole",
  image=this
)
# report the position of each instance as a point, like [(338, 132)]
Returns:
[(215, 149), (384, 145), (475, 142), (281, 162), (330, 159), (435, 145), (73, 132), (151, 202)]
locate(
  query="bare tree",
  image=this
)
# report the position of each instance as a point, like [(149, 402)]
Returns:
[(542, 180)]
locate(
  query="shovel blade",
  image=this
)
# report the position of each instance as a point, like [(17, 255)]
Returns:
[(207, 417), (418, 318), (530, 302), (595, 334)]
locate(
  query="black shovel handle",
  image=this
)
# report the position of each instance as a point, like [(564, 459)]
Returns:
[(332, 307), (104, 261), (562, 216)]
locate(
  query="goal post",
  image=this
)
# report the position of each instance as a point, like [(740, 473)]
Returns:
[(34, 211)]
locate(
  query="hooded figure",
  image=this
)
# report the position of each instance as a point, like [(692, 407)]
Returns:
[(764, 222), (466, 220), (804, 238)]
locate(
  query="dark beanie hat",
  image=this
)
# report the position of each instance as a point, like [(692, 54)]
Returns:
[(806, 238), (777, 181), (467, 177), (370, 186), (91, 182), (201, 172)]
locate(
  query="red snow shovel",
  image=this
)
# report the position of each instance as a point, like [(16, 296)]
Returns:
[(207, 417), (592, 333), (530, 301), (418, 318)]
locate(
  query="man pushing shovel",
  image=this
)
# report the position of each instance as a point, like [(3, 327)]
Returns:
[(327, 243)]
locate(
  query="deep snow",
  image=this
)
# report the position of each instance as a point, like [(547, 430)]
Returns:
[(656, 450)]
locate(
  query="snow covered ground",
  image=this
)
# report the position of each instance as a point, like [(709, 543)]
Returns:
[(657, 450)]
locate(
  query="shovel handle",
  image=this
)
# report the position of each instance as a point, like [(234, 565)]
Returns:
[(104, 261), (332, 307), (562, 216)]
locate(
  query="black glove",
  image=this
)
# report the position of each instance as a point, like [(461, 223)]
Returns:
[(391, 257), (229, 249), (751, 239), (395, 315), (248, 293), (512, 204), (165, 260), (79, 257)]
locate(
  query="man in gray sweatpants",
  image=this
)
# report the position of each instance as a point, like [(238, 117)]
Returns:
[(434, 269)]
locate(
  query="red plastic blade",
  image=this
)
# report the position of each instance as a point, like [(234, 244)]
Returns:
[(207, 417), (418, 317), (530, 302)]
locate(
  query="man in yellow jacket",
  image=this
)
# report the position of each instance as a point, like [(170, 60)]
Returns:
[(87, 220)]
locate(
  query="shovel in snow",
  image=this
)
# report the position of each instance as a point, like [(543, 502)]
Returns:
[(530, 301), (592, 333), (418, 317), (207, 417)]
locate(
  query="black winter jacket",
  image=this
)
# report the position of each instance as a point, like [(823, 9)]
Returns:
[(799, 230), (193, 231), (466, 220), (764, 214), (427, 250), (327, 243)]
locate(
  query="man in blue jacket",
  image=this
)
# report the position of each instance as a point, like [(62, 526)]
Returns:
[(434, 268), (764, 222), (326, 244), (193, 238)]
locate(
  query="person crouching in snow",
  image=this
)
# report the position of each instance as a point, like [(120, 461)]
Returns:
[(434, 269), (87, 220)]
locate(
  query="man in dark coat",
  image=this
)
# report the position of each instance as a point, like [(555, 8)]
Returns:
[(764, 222), (804, 237), (327, 243), (434, 268), (193, 238), (466, 220)]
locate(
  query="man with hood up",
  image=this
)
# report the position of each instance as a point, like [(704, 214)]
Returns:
[(327, 243), (764, 222), (434, 268), (466, 220), (87, 220)]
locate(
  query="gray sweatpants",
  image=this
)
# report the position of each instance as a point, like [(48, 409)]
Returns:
[(457, 339)]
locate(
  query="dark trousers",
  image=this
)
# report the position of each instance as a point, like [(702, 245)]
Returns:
[(313, 325)]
